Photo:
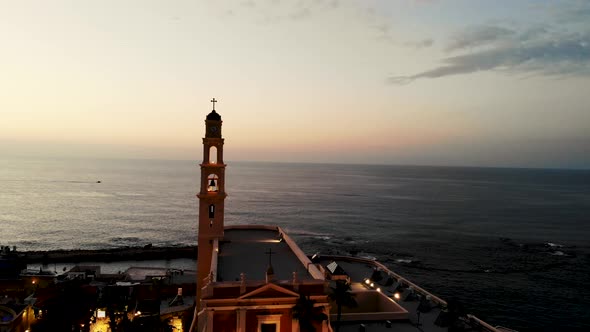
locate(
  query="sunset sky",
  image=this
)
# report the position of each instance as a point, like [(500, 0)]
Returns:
[(482, 83)]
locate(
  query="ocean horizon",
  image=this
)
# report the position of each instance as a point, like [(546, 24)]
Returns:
[(508, 243)]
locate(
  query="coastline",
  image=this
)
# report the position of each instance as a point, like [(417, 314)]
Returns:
[(108, 255)]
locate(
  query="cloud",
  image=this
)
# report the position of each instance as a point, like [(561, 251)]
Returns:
[(424, 43), (248, 3), (566, 55), (300, 13), (558, 47), (574, 12), (478, 36), (275, 11), (424, 2)]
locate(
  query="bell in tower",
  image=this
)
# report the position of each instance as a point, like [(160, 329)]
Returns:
[(212, 187)]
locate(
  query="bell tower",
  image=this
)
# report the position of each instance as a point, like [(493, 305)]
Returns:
[(211, 196)]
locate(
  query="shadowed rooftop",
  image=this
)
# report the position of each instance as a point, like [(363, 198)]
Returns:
[(245, 250)]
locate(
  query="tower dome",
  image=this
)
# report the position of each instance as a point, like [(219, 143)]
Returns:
[(214, 116)]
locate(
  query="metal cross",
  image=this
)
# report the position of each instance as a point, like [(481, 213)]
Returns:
[(213, 101), (269, 253)]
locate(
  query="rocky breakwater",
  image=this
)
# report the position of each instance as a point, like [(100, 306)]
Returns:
[(147, 252)]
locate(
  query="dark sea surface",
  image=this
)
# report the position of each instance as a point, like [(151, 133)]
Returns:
[(513, 245)]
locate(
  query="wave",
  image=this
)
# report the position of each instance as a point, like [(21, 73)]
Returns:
[(84, 194), (303, 232), (404, 261), (126, 241), (553, 245), (132, 194)]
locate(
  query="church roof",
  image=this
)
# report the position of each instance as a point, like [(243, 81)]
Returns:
[(214, 116), (245, 250)]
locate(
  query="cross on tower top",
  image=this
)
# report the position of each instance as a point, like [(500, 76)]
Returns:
[(213, 101), (270, 253)]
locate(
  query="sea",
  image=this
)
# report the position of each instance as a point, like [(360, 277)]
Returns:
[(511, 245)]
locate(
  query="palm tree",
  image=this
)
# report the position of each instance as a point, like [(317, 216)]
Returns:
[(341, 293), (305, 312), (456, 313)]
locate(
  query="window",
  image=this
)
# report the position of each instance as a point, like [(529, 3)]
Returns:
[(211, 211)]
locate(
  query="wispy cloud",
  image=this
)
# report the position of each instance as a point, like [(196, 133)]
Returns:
[(550, 49), (274, 11), (418, 44), (478, 36), (574, 12), (300, 13), (568, 55)]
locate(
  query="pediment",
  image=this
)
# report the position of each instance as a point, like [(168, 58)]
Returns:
[(269, 290)]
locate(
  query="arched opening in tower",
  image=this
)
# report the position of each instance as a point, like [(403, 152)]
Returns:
[(212, 183), (213, 155)]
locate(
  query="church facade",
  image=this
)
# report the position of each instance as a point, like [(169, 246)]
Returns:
[(250, 278)]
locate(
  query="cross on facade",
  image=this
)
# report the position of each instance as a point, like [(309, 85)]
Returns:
[(269, 253), (213, 101)]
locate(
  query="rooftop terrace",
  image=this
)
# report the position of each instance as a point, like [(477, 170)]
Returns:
[(360, 270), (245, 249)]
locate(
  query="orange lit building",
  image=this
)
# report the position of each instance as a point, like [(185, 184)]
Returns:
[(250, 278)]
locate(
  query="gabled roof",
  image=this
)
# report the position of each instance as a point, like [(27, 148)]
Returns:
[(335, 269), (269, 290)]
